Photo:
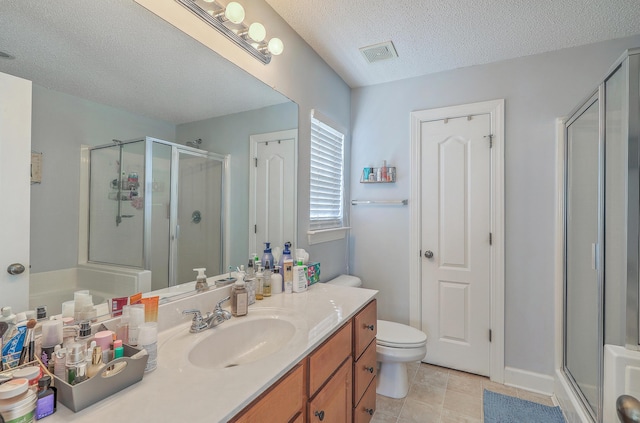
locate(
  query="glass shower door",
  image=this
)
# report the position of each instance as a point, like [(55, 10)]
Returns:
[(116, 207), (198, 215), (583, 272)]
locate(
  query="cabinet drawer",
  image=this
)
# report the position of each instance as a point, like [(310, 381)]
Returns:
[(333, 403), (280, 403), (363, 412), (364, 370), (328, 357), (365, 328)]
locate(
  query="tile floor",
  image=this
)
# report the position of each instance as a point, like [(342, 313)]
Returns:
[(441, 395)]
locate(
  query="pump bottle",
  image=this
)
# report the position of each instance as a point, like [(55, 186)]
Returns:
[(286, 254), (201, 280), (239, 299), (267, 257)]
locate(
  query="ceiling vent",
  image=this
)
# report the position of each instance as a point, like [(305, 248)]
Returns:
[(379, 52)]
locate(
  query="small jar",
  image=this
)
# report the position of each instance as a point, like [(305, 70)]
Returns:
[(17, 401), (31, 373)]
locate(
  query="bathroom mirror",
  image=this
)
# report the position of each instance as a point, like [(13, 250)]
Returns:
[(113, 70)]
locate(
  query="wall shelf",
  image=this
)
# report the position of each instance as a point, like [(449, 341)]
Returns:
[(378, 175)]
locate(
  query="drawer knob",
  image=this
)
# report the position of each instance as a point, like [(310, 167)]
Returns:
[(369, 369), (369, 411), (370, 327), (319, 415)]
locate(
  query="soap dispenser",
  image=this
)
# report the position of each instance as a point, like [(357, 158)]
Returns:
[(201, 280), (267, 257), (239, 299), (286, 254)]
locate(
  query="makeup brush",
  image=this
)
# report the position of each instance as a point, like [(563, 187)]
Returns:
[(29, 344)]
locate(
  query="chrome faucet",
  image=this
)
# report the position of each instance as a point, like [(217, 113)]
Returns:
[(210, 320)]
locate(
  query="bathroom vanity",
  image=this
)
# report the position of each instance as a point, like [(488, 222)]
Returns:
[(296, 357)]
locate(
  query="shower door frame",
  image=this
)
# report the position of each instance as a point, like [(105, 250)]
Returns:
[(176, 149), (597, 96), (83, 256)]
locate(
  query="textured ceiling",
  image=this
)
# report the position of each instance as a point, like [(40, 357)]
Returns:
[(436, 35), (115, 52)]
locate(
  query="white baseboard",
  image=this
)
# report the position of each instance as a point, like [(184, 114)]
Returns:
[(524, 379), (569, 404)]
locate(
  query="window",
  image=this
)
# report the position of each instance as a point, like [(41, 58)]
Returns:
[(327, 174)]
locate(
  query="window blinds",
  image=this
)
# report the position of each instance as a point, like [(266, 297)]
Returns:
[(327, 167)]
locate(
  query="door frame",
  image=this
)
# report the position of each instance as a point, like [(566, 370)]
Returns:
[(253, 153), (495, 108)]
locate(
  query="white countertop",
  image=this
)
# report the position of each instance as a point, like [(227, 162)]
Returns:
[(179, 391)]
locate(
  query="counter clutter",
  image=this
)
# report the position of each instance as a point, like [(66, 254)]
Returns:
[(179, 390)]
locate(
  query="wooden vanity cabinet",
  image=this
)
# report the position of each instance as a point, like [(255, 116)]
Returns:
[(281, 403), (365, 366), (336, 383)]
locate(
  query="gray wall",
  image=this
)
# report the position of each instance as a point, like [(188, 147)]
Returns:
[(61, 123), (230, 135), (537, 90)]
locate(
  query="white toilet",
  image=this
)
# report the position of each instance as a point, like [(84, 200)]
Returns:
[(397, 345)]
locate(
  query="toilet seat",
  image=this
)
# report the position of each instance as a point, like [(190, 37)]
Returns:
[(397, 335)]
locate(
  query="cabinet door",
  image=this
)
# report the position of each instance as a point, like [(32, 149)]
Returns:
[(365, 328), (327, 358), (279, 404), (363, 412), (333, 403), (364, 370)]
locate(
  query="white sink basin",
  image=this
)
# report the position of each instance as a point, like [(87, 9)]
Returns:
[(241, 343)]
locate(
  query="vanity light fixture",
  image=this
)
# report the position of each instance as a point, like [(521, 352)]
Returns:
[(229, 22)]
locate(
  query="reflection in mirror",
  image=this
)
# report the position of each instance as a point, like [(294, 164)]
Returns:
[(99, 73)]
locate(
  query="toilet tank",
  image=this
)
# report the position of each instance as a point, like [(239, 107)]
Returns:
[(346, 280)]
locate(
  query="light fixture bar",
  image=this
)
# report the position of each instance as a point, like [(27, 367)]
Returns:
[(263, 56)]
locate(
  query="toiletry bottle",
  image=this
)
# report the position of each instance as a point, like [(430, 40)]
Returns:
[(118, 349), (251, 270), (47, 398), (84, 333), (201, 280), (286, 254), (267, 257), (299, 277), (276, 281), (288, 276), (239, 299), (76, 364), (60, 361), (96, 362), (148, 339), (259, 284), (266, 285)]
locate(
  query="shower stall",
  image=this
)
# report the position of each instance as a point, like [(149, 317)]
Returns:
[(601, 233), (158, 206)]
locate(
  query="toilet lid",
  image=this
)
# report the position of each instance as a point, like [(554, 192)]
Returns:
[(397, 335)]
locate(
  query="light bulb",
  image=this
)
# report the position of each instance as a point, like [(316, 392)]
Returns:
[(276, 47), (257, 32), (234, 12)]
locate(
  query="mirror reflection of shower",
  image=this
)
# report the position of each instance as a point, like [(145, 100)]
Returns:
[(142, 198)]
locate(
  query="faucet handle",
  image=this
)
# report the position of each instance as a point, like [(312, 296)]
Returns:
[(198, 323), (219, 303)]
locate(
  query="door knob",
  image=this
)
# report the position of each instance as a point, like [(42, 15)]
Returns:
[(15, 269), (428, 254)]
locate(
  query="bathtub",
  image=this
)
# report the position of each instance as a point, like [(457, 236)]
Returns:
[(103, 282)]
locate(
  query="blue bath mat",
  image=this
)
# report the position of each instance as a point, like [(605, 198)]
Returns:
[(500, 408)]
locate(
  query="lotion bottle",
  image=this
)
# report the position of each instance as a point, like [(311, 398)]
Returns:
[(239, 299), (276, 281)]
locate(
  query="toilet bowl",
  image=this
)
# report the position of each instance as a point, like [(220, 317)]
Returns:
[(397, 345)]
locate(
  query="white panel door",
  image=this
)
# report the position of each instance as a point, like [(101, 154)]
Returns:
[(15, 156), (273, 209), (456, 212)]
